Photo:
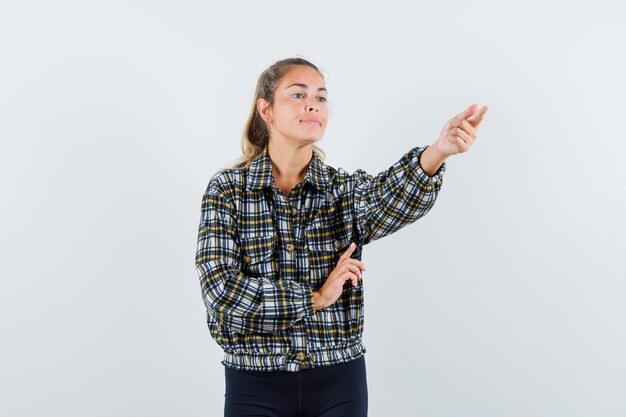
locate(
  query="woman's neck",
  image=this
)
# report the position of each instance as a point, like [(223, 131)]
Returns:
[(289, 164)]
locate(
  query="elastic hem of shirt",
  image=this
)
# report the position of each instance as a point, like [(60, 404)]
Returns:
[(308, 303), (287, 362)]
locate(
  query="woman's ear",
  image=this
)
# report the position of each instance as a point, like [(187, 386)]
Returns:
[(264, 109)]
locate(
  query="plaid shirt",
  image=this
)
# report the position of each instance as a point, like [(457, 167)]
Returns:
[(260, 255)]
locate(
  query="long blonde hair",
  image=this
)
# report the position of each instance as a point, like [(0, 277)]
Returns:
[(256, 135)]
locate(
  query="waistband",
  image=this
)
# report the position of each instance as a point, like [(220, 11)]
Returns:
[(293, 361)]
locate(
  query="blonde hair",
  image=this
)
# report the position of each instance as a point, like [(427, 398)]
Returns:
[(256, 135)]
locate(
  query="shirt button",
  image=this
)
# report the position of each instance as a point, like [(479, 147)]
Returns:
[(294, 211), (247, 259), (301, 356), (289, 247), (338, 244)]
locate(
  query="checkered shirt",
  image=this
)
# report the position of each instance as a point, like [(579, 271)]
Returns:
[(260, 255)]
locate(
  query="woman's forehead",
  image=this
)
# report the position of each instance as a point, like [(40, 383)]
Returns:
[(303, 75)]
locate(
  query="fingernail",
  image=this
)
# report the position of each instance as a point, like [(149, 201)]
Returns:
[(352, 244)]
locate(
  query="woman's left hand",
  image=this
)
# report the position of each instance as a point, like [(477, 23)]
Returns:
[(458, 135)]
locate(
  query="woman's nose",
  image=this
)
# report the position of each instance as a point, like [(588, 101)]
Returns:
[(312, 106)]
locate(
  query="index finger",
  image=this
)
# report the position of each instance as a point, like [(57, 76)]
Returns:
[(348, 251), (467, 113), (478, 117)]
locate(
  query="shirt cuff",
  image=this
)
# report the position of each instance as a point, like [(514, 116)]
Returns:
[(423, 177), (308, 304)]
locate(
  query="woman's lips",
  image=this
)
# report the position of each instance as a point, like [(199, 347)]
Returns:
[(311, 122)]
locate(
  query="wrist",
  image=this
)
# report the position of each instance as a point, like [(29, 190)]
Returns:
[(431, 159), (437, 154)]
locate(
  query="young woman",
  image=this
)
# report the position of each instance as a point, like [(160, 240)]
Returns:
[(279, 249)]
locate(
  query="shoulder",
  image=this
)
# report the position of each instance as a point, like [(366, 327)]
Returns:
[(340, 182), (228, 182), (340, 175)]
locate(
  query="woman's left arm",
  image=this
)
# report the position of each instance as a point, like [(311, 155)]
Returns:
[(457, 136), (405, 192)]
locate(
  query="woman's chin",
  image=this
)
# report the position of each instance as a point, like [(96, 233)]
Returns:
[(310, 139), (315, 140)]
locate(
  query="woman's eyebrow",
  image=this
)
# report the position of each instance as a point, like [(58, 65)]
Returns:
[(305, 86)]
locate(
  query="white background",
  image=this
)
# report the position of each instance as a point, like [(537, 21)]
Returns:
[(507, 299)]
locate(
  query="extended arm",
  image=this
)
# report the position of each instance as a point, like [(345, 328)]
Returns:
[(395, 197)]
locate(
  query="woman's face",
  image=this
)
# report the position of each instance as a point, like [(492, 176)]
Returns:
[(299, 112)]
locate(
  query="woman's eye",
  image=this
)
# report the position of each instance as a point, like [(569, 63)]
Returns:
[(301, 95)]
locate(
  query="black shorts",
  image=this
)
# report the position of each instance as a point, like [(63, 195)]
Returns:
[(328, 391)]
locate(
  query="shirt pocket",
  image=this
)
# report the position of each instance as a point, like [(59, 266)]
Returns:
[(326, 242), (323, 236), (258, 255)]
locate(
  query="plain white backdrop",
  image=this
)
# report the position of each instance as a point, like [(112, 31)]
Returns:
[(507, 299)]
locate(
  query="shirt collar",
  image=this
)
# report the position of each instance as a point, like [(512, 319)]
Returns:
[(260, 172)]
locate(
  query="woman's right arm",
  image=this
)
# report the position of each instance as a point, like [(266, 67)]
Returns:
[(347, 269), (245, 304)]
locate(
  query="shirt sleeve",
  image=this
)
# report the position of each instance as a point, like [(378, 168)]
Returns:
[(245, 304), (394, 198)]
